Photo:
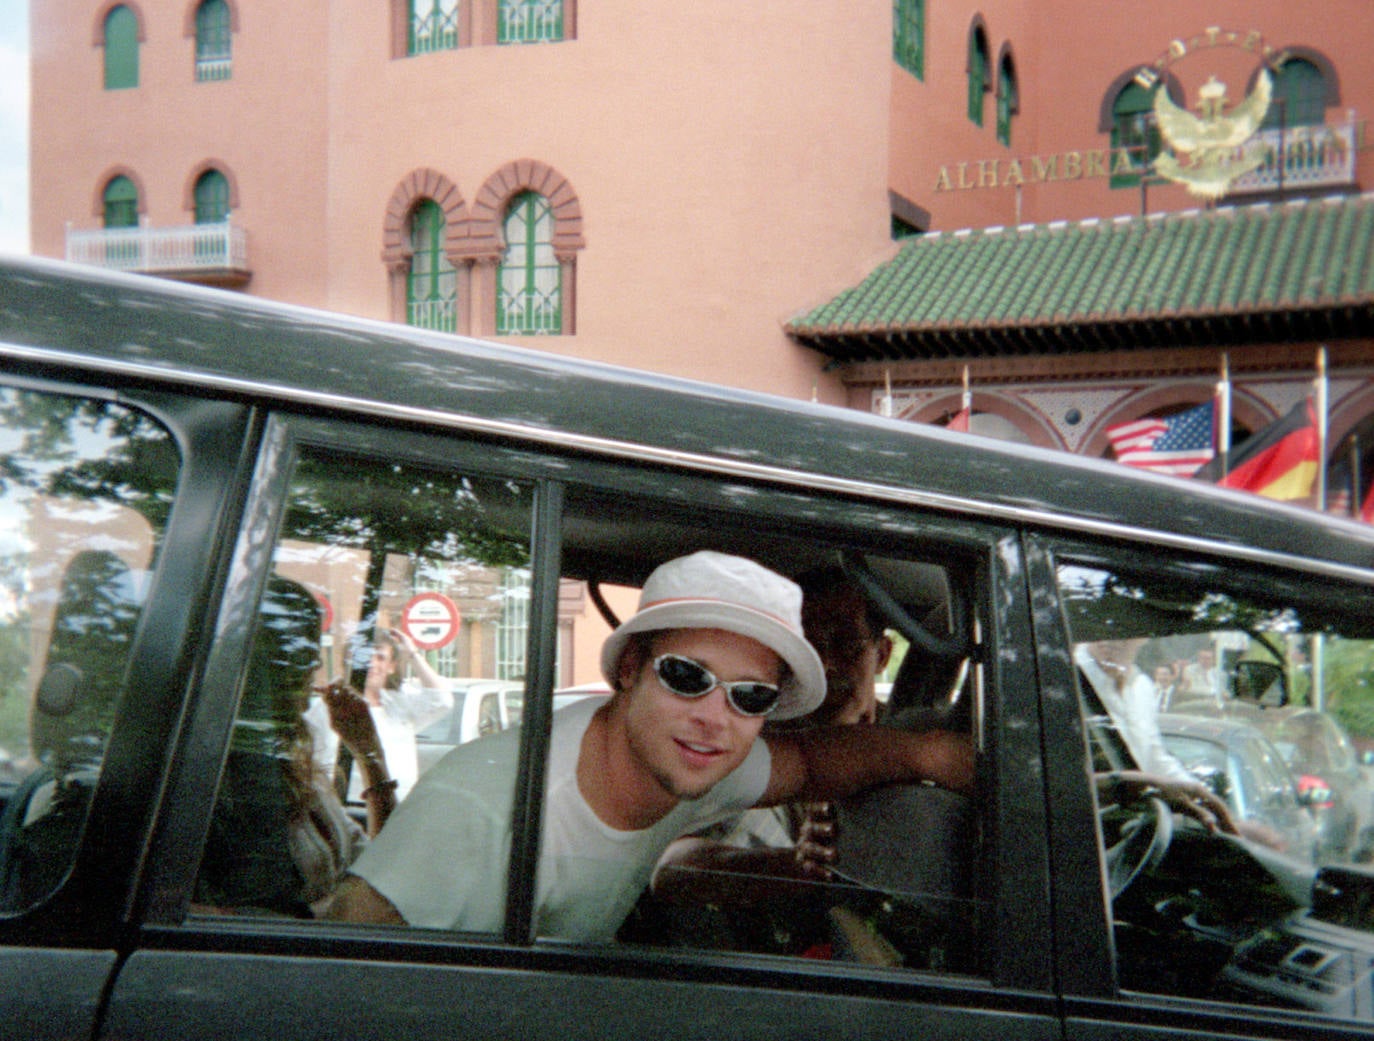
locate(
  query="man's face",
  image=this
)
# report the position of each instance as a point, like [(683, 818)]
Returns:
[(380, 666), (687, 745), (836, 625)]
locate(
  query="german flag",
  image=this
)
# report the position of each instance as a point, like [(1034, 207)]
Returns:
[(1279, 462)]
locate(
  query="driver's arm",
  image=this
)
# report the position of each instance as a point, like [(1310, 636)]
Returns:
[(1191, 798)]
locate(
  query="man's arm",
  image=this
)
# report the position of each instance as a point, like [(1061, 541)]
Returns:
[(356, 901), (833, 762)]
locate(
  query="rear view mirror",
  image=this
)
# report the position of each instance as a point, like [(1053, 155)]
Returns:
[(1260, 683)]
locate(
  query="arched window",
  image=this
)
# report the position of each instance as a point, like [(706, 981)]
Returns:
[(909, 36), (211, 194), (530, 283), (214, 41), (977, 73), (432, 284), (1007, 98), (1134, 130), (121, 49), (1299, 96), (121, 203), (529, 21), (432, 26)]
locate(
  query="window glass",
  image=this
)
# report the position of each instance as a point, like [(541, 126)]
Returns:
[(1299, 97), (214, 42), (433, 26), (1255, 693), (85, 491), (977, 75), (1134, 131), (212, 198), (432, 285), (530, 297), (377, 568), (1006, 100), (909, 35), (529, 21), (121, 49), (121, 203)]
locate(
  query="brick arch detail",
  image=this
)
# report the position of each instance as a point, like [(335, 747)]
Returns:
[(421, 184), (103, 181), (189, 24), (98, 31), (1032, 425), (489, 209), (188, 195)]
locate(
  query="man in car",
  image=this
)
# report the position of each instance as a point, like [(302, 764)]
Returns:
[(715, 648)]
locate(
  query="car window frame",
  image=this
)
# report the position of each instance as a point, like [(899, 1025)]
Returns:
[(1019, 810)]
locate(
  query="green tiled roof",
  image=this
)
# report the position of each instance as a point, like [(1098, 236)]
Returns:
[(1245, 274)]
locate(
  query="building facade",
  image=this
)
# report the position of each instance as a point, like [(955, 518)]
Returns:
[(714, 189)]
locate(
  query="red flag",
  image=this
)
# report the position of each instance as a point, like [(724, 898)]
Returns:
[(1367, 508), (959, 421), (1279, 462)]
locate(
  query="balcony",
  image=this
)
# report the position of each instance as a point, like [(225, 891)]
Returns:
[(214, 254), (1301, 158)]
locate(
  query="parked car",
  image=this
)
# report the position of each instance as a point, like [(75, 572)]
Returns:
[(1330, 779), (480, 707), (168, 453), (1245, 769)]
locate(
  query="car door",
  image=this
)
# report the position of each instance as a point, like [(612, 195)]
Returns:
[(111, 506), (512, 531), (1183, 931)]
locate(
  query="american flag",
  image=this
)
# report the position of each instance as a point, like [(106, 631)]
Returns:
[(1178, 444)]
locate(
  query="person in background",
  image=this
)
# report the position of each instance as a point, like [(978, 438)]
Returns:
[(400, 707)]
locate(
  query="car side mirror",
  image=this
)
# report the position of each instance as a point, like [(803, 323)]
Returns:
[(1260, 683)]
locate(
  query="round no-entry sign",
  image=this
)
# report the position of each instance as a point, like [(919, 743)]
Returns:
[(431, 620)]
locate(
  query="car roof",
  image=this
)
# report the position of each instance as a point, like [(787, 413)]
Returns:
[(140, 331)]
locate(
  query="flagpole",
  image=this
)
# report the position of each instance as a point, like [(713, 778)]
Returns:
[(887, 393), (967, 401), (1321, 404), (1224, 412)]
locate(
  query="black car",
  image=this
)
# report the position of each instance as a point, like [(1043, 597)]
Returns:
[(184, 472)]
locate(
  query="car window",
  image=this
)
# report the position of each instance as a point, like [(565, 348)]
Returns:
[(85, 491), (1222, 682), (405, 590)]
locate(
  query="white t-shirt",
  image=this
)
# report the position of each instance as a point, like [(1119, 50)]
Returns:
[(441, 859)]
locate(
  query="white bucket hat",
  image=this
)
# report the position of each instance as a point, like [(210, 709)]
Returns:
[(709, 590)]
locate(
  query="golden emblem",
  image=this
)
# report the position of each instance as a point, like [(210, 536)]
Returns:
[(1211, 141)]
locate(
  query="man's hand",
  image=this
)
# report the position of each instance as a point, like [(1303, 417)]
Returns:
[(817, 834), (351, 719), (1191, 798)]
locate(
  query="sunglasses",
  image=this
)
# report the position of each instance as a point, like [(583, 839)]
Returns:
[(689, 679)]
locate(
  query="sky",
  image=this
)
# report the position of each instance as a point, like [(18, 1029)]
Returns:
[(14, 126)]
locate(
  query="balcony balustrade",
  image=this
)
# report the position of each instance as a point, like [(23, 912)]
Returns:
[(1299, 158), (215, 253)]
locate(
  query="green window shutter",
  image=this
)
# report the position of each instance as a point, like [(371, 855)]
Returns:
[(1006, 101), (211, 197), (909, 36), (214, 43), (432, 284), (529, 298), (121, 203), (1299, 97), (977, 76), (121, 49), (1134, 130), (433, 26), (529, 21)]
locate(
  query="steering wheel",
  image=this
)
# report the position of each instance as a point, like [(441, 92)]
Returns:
[(1142, 833)]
